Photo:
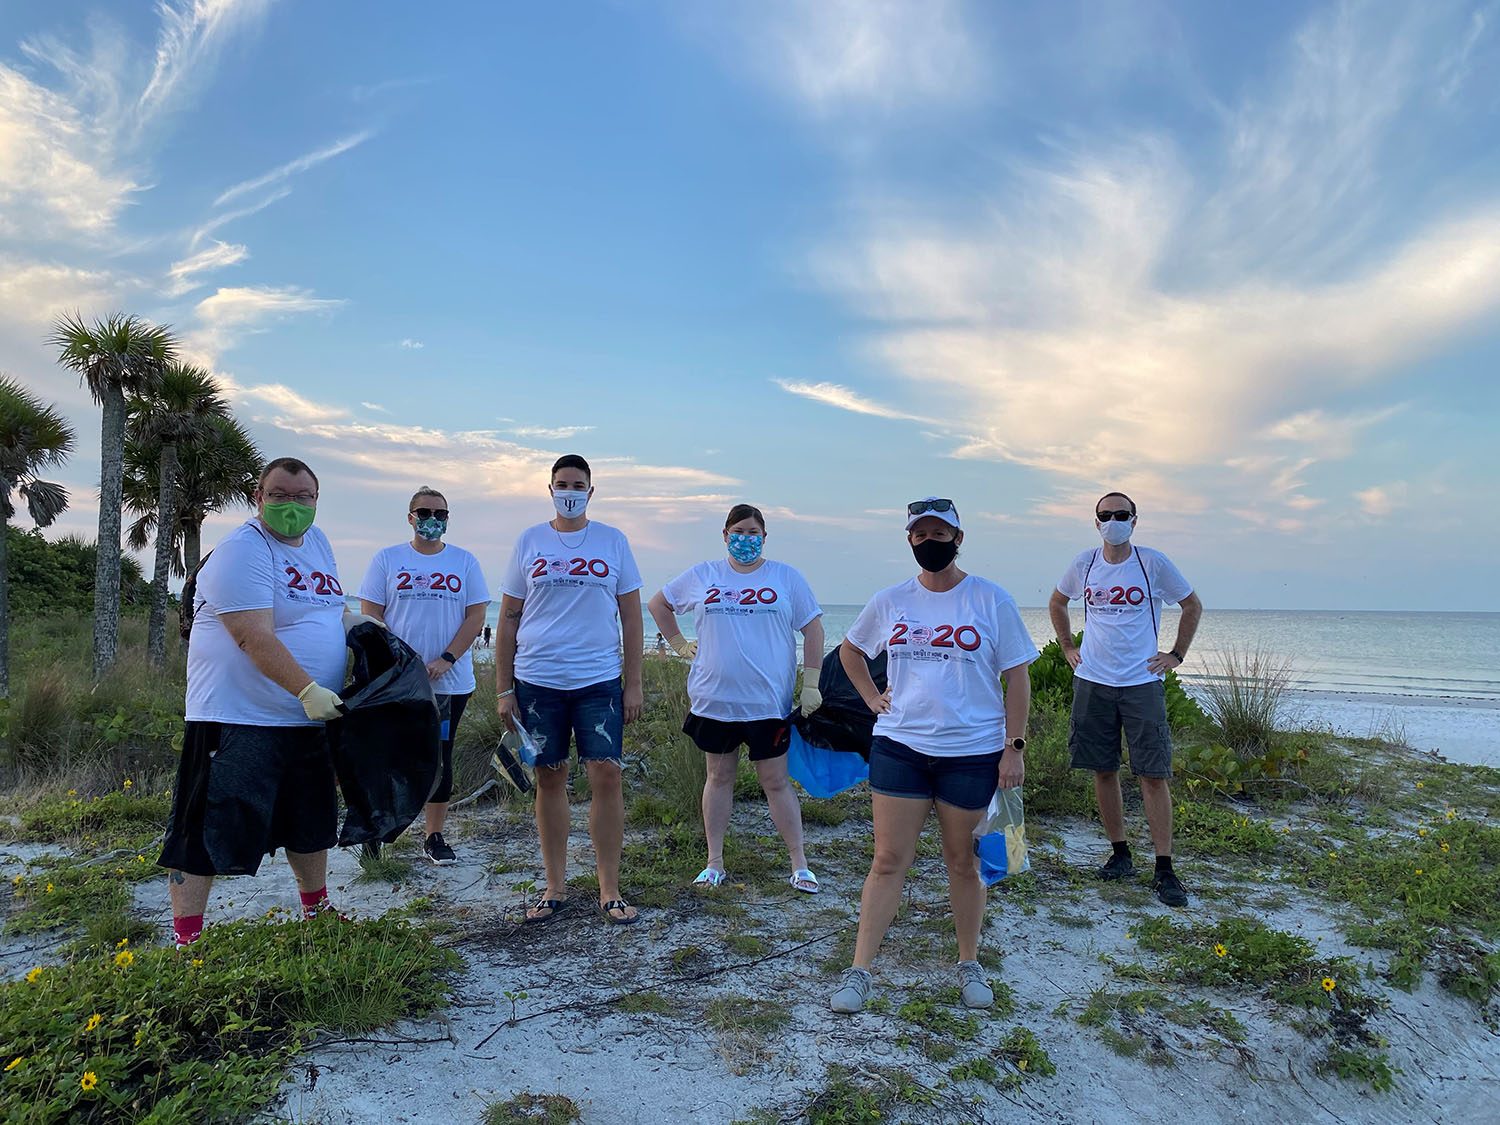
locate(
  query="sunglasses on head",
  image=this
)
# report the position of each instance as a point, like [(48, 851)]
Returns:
[(1119, 514), (430, 513), (917, 507)]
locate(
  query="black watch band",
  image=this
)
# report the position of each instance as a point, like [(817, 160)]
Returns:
[(1017, 744), (1174, 652), (451, 659)]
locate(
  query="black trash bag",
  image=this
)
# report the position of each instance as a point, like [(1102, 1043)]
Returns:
[(386, 746), (842, 721)]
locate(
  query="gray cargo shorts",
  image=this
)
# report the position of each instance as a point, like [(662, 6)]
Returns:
[(1102, 713)]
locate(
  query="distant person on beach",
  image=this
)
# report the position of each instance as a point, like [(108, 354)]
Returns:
[(661, 644), (744, 667), (264, 666), (945, 733), (433, 596), (571, 588), (1118, 679), (487, 636)]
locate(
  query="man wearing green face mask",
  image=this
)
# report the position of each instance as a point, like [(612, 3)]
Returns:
[(265, 658)]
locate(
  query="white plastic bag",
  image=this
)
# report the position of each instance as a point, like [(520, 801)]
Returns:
[(1000, 838)]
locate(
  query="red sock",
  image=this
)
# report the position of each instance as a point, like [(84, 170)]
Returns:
[(312, 900), (187, 929)]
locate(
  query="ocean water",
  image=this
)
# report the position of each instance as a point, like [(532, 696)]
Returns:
[(1429, 679)]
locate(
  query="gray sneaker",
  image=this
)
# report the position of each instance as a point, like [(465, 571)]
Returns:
[(973, 987), (853, 990)]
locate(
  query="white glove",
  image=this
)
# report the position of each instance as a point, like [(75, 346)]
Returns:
[(812, 698), (319, 703), (685, 648), (351, 619)]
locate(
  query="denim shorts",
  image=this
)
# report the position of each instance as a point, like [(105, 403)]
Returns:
[(968, 782), (593, 715), (1102, 713)]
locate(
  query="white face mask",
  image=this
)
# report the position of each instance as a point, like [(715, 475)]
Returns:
[(570, 504), (1116, 532)]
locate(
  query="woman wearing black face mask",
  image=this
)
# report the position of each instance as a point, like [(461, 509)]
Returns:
[(945, 734)]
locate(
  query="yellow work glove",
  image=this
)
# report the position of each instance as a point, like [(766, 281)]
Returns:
[(684, 648), (812, 698), (319, 703)]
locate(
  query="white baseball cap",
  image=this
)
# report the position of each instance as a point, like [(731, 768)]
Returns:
[(938, 506)]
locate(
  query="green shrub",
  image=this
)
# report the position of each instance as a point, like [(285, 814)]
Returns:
[(1052, 684)]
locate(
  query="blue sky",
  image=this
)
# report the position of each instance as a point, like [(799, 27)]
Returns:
[(1242, 261)]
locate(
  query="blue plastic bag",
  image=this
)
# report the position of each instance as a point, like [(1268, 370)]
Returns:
[(1000, 838), (822, 772)]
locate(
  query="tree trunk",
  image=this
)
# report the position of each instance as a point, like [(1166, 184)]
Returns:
[(166, 524), (107, 573), (192, 547), (4, 609)]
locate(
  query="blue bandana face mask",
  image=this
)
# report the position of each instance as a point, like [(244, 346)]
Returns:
[(745, 549), (431, 528)]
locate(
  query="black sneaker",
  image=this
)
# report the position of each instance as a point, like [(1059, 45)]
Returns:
[(1168, 888), (370, 851), (435, 849), (1118, 867)]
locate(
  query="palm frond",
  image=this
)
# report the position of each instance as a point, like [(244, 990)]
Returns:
[(44, 500), (120, 351)]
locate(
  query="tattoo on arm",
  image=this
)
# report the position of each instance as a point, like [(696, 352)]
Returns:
[(513, 614)]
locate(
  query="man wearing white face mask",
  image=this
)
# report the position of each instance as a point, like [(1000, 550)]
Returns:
[(1118, 679)]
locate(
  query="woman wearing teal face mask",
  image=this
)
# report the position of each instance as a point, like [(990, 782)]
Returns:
[(433, 595), (744, 666)]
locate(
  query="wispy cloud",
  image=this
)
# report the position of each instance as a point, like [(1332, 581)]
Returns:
[(35, 293), (832, 394), (229, 314), (293, 167), (375, 406), (549, 433), (218, 221), (180, 277), (376, 89), (411, 345), (1379, 501), (192, 34)]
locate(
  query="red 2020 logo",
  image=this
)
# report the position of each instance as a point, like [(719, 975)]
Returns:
[(1117, 595), (965, 637), (436, 581), (576, 568), (748, 596), (323, 584)]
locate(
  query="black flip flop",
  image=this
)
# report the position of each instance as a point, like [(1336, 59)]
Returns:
[(617, 904), (555, 905)]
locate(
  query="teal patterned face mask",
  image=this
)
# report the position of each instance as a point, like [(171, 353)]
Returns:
[(431, 528), (745, 549)]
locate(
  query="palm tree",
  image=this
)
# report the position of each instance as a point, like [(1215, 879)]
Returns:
[(212, 474), (177, 413), (114, 357), (33, 437)]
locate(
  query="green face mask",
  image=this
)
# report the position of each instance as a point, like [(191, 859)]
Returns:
[(290, 519)]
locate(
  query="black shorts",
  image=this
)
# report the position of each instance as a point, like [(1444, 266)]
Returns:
[(243, 791), (450, 711), (1102, 713), (766, 738)]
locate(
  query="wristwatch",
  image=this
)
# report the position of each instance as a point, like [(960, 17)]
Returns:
[(449, 657), (1018, 745)]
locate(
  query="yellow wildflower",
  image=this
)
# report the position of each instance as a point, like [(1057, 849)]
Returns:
[(34, 975), (49, 888), (89, 1080), (1419, 785), (122, 943), (18, 880), (1021, 1064), (1444, 845), (1450, 814), (129, 783), (124, 959), (140, 1035), (197, 962), (1419, 871), (1421, 831), (1333, 855), (1219, 950), (1329, 984), (94, 1021), (15, 1062), (72, 792)]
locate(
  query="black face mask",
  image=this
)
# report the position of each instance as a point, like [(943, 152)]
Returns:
[(935, 554)]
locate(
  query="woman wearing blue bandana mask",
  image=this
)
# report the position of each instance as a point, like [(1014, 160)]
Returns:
[(433, 596), (744, 667)]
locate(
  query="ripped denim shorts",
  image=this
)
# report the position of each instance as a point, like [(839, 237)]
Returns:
[(593, 715)]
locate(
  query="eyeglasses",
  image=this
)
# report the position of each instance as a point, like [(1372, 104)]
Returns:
[(293, 497), (430, 513), (1122, 514), (917, 507)]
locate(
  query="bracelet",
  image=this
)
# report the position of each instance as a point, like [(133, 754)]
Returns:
[(503, 694), (1174, 652), (448, 656)]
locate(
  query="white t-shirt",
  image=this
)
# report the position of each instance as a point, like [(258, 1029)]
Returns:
[(252, 569), (425, 599), (945, 655), (746, 665), (1122, 612), (570, 629)]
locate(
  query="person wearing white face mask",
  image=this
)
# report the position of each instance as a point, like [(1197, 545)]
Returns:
[(571, 591), (1118, 679), (744, 667)]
